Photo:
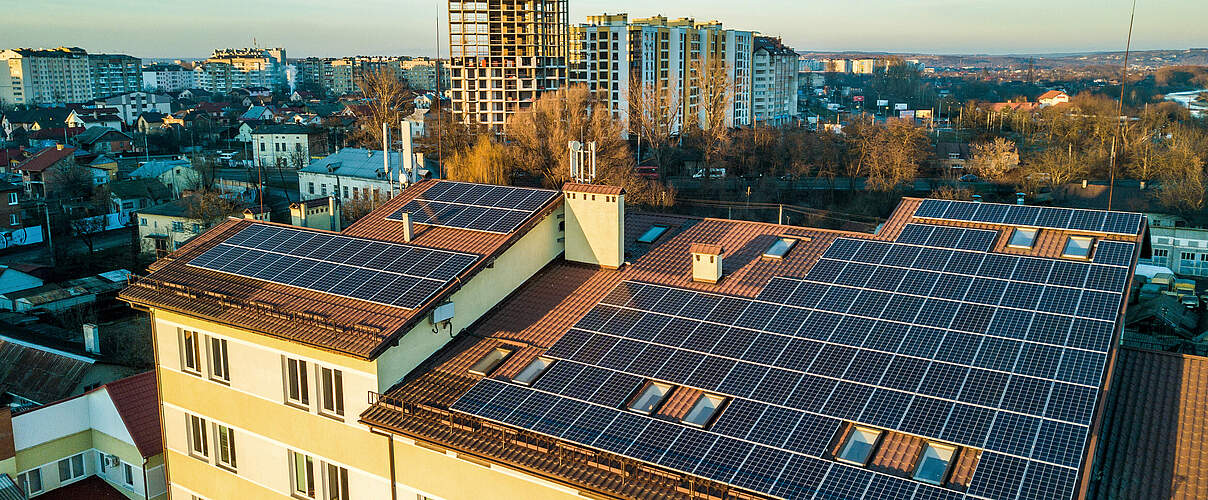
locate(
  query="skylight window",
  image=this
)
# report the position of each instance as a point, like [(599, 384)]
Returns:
[(530, 373), (490, 361), (858, 446), (1023, 237), (1078, 247), (650, 397), (703, 411), (652, 234), (933, 464), (780, 247)]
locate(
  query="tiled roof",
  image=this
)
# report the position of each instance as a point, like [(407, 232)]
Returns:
[(137, 402), (46, 158), (1153, 437), (350, 326), (283, 128), (705, 248), (39, 374), (91, 487), (593, 189)]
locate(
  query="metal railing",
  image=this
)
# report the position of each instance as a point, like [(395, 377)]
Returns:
[(593, 470)]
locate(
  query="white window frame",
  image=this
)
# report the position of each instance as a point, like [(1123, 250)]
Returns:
[(23, 481), (219, 363), (296, 489), (224, 447), (198, 440), (1090, 247), (189, 344), (1035, 233), (12, 198), (773, 251), (335, 482), (296, 387), (491, 360), (533, 371), (73, 463), (642, 395), (128, 474), (330, 391), (849, 441), (701, 412), (923, 457)]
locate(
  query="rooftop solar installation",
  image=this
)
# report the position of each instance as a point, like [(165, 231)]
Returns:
[(1071, 219), (1001, 353), (480, 207), (386, 273)]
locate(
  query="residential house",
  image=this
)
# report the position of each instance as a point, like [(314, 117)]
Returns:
[(40, 174), (951, 157), (1013, 106), (316, 213), (133, 195), (106, 163), (104, 140), (244, 133), (13, 280), (257, 114), (131, 105), (613, 354), (104, 443), (1052, 98), (10, 206), (88, 118), (166, 227), (1183, 249), (34, 119), (287, 145), (153, 123), (356, 174), (178, 175)]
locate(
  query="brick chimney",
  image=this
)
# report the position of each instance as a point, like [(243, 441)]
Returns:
[(706, 262), (408, 228)]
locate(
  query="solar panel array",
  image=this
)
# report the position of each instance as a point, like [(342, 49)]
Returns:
[(481, 207), (997, 352), (1073, 219), (386, 273)]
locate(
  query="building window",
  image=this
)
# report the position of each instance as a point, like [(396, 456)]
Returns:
[(858, 446), (225, 446), (199, 445), (1078, 247), (331, 390), (178, 226), (310, 187), (302, 475), (219, 368), (780, 248), (262, 146), (345, 191), (128, 471), (1159, 252), (31, 481), (337, 482), (650, 397), (1186, 255), (1023, 238), (652, 234), (71, 468), (534, 370), (933, 463), (12, 198), (190, 357), (296, 388), (13, 219), (490, 361), (703, 410)]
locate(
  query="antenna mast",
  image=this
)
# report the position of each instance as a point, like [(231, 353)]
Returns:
[(1111, 183)]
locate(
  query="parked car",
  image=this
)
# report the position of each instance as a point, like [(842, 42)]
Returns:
[(969, 178)]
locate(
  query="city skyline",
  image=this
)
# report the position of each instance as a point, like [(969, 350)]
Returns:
[(310, 28)]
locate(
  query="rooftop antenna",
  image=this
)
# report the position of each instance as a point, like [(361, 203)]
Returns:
[(1111, 183), (582, 161)]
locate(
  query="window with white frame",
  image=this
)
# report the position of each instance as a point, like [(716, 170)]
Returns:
[(302, 475), (199, 445), (71, 468), (331, 392), (858, 446), (12, 198), (13, 219), (190, 357), (224, 446), (30, 481), (219, 368), (297, 391), (336, 480), (128, 472)]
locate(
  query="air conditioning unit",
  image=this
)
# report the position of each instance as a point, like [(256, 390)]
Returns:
[(112, 461)]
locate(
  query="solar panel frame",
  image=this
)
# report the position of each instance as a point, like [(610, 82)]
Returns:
[(476, 207)]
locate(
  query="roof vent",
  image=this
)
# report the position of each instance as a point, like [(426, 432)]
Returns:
[(706, 262)]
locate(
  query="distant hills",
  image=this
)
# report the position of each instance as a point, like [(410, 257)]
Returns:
[(1138, 58)]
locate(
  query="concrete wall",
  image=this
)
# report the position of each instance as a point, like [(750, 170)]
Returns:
[(595, 229)]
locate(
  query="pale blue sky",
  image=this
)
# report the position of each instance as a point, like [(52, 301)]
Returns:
[(172, 28)]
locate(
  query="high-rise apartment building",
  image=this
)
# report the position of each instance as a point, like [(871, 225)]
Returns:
[(44, 76), (420, 73), (168, 78), (504, 55), (774, 98), (679, 61), (229, 69), (113, 74)]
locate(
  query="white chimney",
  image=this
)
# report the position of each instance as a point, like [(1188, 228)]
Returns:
[(706, 262), (92, 338), (408, 228)]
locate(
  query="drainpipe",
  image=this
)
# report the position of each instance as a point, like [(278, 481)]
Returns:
[(390, 450), (146, 490)]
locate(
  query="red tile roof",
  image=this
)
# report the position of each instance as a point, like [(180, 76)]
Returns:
[(1050, 94), (137, 402), (1154, 427), (91, 488), (46, 158), (705, 248), (593, 189)]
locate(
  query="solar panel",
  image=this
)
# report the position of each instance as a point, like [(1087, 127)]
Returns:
[(386, 273), (997, 352), (1074, 219), (479, 207)]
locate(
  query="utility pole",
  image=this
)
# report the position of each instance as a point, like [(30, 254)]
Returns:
[(50, 243)]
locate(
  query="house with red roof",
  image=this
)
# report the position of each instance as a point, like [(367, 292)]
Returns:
[(39, 172), (1052, 98), (104, 443)]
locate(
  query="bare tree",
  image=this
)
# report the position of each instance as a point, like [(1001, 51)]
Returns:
[(896, 155), (709, 106), (386, 100), (991, 160), (210, 207), (1054, 168), (654, 117), (486, 162), (1180, 171)]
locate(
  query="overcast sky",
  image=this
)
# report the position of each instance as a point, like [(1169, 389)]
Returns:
[(158, 28)]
